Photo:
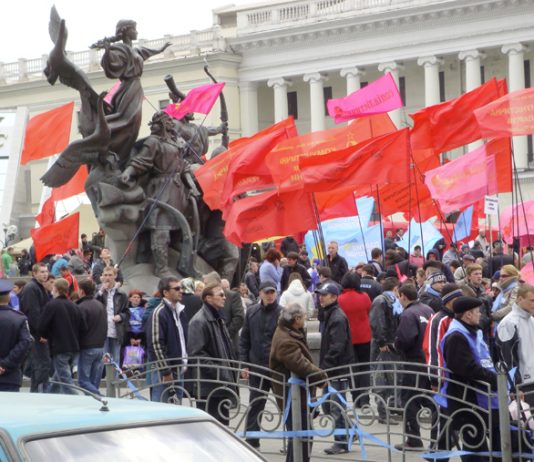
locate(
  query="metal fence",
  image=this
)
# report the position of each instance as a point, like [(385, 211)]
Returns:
[(369, 407)]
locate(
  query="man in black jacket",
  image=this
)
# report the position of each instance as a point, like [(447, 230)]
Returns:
[(167, 338), (431, 293), (368, 283), (233, 310), (409, 342), (33, 299), (293, 266), (15, 341), (337, 264), (62, 325), (255, 347), (209, 339), (90, 361), (336, 350), (252, 278), (118, 313)]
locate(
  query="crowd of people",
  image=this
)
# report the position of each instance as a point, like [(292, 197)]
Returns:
[(459, 308)]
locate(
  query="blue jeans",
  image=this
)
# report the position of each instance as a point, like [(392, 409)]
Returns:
[(62, 372), (90, 367), (336, 410), (113, 347)]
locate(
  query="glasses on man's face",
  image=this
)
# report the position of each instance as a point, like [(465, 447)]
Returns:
[(178, 289), (220, 294)]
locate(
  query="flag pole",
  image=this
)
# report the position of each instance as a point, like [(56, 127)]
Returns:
[(319, 226), (410, 209), (380, 220), (361, 230)]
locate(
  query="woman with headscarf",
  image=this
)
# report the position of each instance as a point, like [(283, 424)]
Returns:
[(509, 285), (190, 300)]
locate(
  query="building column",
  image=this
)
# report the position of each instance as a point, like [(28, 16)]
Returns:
[(248, 94), (431, 65), (353, 76), (516, 81), (280, 97), (317, 105), (393, 68), (473, 79)]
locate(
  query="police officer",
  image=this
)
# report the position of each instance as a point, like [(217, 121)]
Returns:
[(15, 341)]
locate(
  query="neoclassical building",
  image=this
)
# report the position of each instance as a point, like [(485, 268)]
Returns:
[(288, 57)]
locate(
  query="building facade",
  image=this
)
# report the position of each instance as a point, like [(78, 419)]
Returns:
[(288, 57)]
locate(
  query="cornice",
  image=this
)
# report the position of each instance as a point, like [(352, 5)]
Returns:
[(346, 27)]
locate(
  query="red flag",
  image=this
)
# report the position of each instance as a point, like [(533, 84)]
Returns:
[(248, 171), (47, 133), (336, 204), (47, 215), (200, 99), (269, 214), (451, 124), (212, 176), (380, 160), (283, 160), (56, 237), (510, 115), (75, 186)]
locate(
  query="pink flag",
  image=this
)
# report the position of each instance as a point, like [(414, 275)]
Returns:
[(511, 215), (200, 99), (527, 273), (380, 96), (463, 181), (112, 91)]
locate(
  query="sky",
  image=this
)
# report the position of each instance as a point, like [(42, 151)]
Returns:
[(24, 29)]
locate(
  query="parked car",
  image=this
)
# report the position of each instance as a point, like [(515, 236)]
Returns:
[(47, 427)]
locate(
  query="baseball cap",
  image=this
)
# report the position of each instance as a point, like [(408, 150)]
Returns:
[(328, 288)]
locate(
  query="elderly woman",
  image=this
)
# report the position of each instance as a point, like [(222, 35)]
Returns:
[(509, 285), (290, 353)]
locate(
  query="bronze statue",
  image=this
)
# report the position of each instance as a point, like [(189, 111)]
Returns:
[(142, 191)]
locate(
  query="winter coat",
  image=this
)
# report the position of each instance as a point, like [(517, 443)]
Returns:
[(257, 333), (192, 304), (336, 341), (270, 272), (96, 320), (411, 331), (252, 281), (509, 289), (298, 268), (32, 301), (234, 316), (338, 265), (383, 321), (371, 287), (208, 338), (62, 324), (356, 306), (15, 343), (295, 293), (290, 353)]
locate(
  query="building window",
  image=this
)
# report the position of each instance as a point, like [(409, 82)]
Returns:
[(441, 86), (163, 103), (482, 74), (530, 147), (292, 106), (402, 89), (327, 92)]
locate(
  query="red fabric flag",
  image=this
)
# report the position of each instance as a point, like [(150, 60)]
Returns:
[(510, 115), (47, 215), (380, 160), (248, 171), (380, 96), (336, 204), (200, 99), (283, 160), (47, 133), (511, 215), (212, 176), (75, 186), (269, 214), (451, 124), (56, 237)]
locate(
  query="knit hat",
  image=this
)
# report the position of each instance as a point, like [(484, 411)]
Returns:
[(435, 278), (451, 296), (463, 304)]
